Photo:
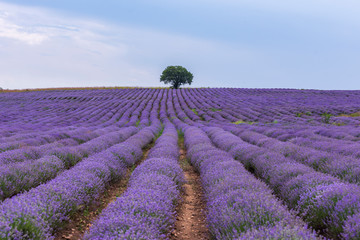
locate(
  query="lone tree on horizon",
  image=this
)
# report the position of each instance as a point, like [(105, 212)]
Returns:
[(176, 75)]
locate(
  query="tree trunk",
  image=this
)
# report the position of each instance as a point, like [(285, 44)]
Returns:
[(176, 85)]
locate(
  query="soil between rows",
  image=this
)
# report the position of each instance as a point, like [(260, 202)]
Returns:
[(81, 221), (190, 222)]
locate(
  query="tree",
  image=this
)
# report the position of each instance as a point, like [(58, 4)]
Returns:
[(176, 75)]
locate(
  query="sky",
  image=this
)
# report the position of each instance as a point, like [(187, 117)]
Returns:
[(307, 44)]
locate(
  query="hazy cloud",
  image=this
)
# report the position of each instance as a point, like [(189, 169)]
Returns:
[(13, 31)]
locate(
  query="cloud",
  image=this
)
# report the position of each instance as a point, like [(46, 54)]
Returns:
[(13, 31), (40, 48)]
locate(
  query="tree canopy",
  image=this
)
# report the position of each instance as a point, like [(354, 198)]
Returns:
[(177, 76)]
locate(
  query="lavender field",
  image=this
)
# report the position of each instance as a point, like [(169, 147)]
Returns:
[(272, 163)]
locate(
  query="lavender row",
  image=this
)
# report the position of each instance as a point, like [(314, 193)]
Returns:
[(238, 205), (217, 104), (343, 167), (241, 105), (52, 111), (67, 148), (19, 177), (33, 153), (37, 139), (325, 202), (231, 104), (340, 143), (146, 209), (347, 134), (38, 146), (38, 212)]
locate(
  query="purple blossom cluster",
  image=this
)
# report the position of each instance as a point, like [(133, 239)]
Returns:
[(146, 209)]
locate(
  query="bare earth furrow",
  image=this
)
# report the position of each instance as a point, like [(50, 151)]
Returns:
[(81, 221), (191, 219)]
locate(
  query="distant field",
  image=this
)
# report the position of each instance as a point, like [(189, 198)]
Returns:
[(158, 163), (71, 88)]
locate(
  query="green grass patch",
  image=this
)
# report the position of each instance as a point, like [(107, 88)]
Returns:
[(180, 136), (160, 132), (215, 109), (241, 121), (357, 114), (300, 114), (326, 117), (339, 124), (194, 110)]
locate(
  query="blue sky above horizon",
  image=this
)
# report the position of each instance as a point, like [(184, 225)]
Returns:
[(246, 43)]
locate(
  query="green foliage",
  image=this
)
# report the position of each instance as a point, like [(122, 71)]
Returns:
[(339, 123), (86, 211), (176, 76), (241, 121), (180, 135), (356, 114), (27, 226), (160, 132), (215, 109), (299, 114), (132, 168), (238, 122), (78, 140), (194, 110), (326, 117)]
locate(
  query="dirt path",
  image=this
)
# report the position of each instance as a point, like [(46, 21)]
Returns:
[(81, 221), (190, 223)]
